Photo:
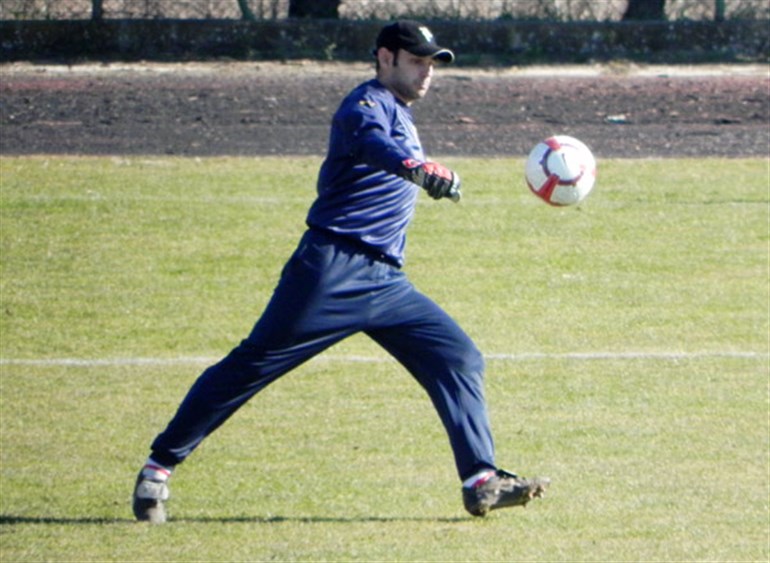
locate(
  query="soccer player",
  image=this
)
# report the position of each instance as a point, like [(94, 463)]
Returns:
[(345, 277)]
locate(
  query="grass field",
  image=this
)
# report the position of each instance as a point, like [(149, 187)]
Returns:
[(627, 346)]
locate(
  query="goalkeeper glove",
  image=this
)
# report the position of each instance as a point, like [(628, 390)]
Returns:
[(437, 180)]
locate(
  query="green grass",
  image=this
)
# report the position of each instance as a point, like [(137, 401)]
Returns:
[(628, 360)]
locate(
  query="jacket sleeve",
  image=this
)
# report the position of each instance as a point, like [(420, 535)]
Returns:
[(368, 128)]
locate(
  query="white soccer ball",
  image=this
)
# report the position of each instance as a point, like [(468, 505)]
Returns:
[(561, 170)]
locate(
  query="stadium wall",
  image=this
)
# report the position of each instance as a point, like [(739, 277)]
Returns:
[(476, 43)]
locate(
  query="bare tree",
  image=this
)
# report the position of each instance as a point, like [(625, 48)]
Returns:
[(719, 10), (645, 10), (97, 10), (314, 8), (246, 13)]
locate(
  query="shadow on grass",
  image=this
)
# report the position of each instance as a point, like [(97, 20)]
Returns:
[(11, 520)]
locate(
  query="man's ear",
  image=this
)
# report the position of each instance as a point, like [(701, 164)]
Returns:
[(385, 57)]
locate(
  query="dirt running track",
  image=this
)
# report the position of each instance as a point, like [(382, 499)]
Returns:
[(198, 109)]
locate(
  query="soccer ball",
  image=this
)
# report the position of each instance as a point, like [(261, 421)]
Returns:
[(561, 170)]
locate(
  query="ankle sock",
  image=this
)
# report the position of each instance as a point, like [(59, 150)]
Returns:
[(155, 471), (478, 479)]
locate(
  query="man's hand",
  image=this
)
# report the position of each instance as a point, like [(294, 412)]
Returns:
[(437, 180)]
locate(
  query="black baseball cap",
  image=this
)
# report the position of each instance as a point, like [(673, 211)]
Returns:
[(414, 37)]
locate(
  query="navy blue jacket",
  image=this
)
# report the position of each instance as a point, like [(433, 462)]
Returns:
[(360, 195)]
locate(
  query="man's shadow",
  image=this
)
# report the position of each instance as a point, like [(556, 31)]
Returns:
[(11, 520)]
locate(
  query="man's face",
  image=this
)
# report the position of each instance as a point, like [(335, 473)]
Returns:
[(406, 75)]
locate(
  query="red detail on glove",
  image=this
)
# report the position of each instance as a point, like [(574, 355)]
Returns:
[(435, 169)]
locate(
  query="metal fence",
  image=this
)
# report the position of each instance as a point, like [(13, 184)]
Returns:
[(555, 10)]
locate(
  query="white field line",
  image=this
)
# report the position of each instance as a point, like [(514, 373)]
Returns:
[(524, 356)]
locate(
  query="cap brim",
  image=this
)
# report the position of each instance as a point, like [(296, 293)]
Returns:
[(438, 53)]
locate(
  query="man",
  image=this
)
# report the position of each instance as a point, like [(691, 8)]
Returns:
[(345, 277)]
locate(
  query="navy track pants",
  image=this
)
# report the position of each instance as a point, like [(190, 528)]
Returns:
[(330, 289)]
